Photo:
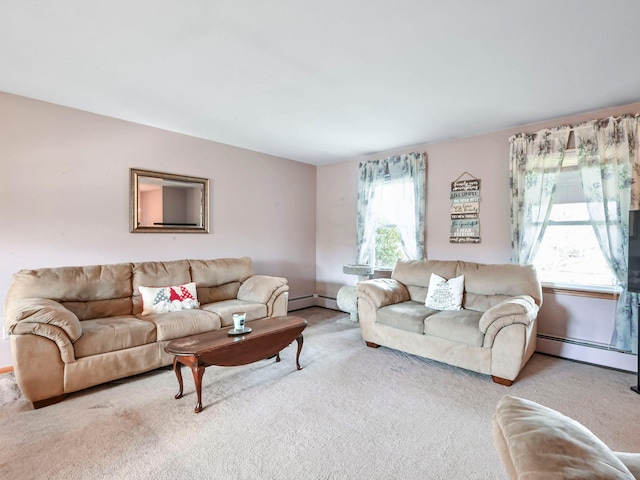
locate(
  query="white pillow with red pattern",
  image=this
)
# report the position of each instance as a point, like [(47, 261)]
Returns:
[(168, 299)]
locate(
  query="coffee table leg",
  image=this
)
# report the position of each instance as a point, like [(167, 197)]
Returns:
[(299, 340), (177, 368), (278, 357), (198, 372)]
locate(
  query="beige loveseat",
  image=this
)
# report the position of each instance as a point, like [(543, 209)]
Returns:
[(494, 333), (537, 443), (75, 327)]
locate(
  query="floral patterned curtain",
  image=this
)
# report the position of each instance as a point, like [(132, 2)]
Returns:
[(535, 162), (369, 183), (408, 170), (608, 154)]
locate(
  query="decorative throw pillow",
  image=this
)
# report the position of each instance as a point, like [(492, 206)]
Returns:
[(445, 294), (168, 299)]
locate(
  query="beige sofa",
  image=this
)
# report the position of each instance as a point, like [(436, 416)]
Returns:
[(538, 443), (494, 334), (75, 327)]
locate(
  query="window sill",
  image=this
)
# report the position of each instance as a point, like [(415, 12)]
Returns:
[(606, 293)]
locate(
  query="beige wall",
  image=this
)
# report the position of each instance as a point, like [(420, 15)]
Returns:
[(64, 196), (484, 156)]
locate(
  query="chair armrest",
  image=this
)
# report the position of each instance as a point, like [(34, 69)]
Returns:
[(521, 309), (42, 311), (262, 289), (381, 292), (631, 461)]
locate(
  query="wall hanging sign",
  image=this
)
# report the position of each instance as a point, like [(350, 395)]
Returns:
[(465, 210)]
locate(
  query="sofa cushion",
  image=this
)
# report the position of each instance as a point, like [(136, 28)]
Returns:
[(456, 326), (445, 294), (91, 286), (536, 442), (183, 323), (100, 308), (168, 299), (93, 282), (228, 291), (102, 335), (212, 273), (227, 308), (158, 274), (220, 279), (408, 316)]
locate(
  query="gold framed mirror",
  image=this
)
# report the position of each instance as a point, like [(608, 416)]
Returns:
[(168, 203)]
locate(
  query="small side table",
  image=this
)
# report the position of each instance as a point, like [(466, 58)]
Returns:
[(347, 298)]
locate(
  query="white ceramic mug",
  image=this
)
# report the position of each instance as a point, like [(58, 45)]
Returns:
[(238, 320)]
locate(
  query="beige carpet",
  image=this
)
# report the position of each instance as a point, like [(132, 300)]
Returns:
[(352, 412)]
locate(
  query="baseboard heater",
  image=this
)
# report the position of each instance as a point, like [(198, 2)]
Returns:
[(315, 300), (593, 353), (581, 343)]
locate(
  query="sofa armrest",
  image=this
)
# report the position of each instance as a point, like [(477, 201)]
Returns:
[(262, 288), (53, 333), (520, 309), (42, 311), (381, 292)]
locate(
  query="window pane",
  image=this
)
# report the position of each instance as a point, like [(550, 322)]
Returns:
[(396, 203), (570, 254), (392, 198), (562, 212)]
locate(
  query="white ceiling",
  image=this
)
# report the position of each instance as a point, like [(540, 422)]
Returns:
[(325, 80)]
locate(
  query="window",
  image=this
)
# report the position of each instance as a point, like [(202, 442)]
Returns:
[(569, 252), (391, 205), (388, 246)]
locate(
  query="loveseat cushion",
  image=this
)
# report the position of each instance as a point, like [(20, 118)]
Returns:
[(102, 335), (415, 275), (487, 285), (408, 316), (456, 326), (536, 442), (183, 323), (227, 308)]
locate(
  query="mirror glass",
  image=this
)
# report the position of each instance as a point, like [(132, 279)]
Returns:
[(165, 202)]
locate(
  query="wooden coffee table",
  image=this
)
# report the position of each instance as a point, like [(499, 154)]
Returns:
[(267, 338)]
